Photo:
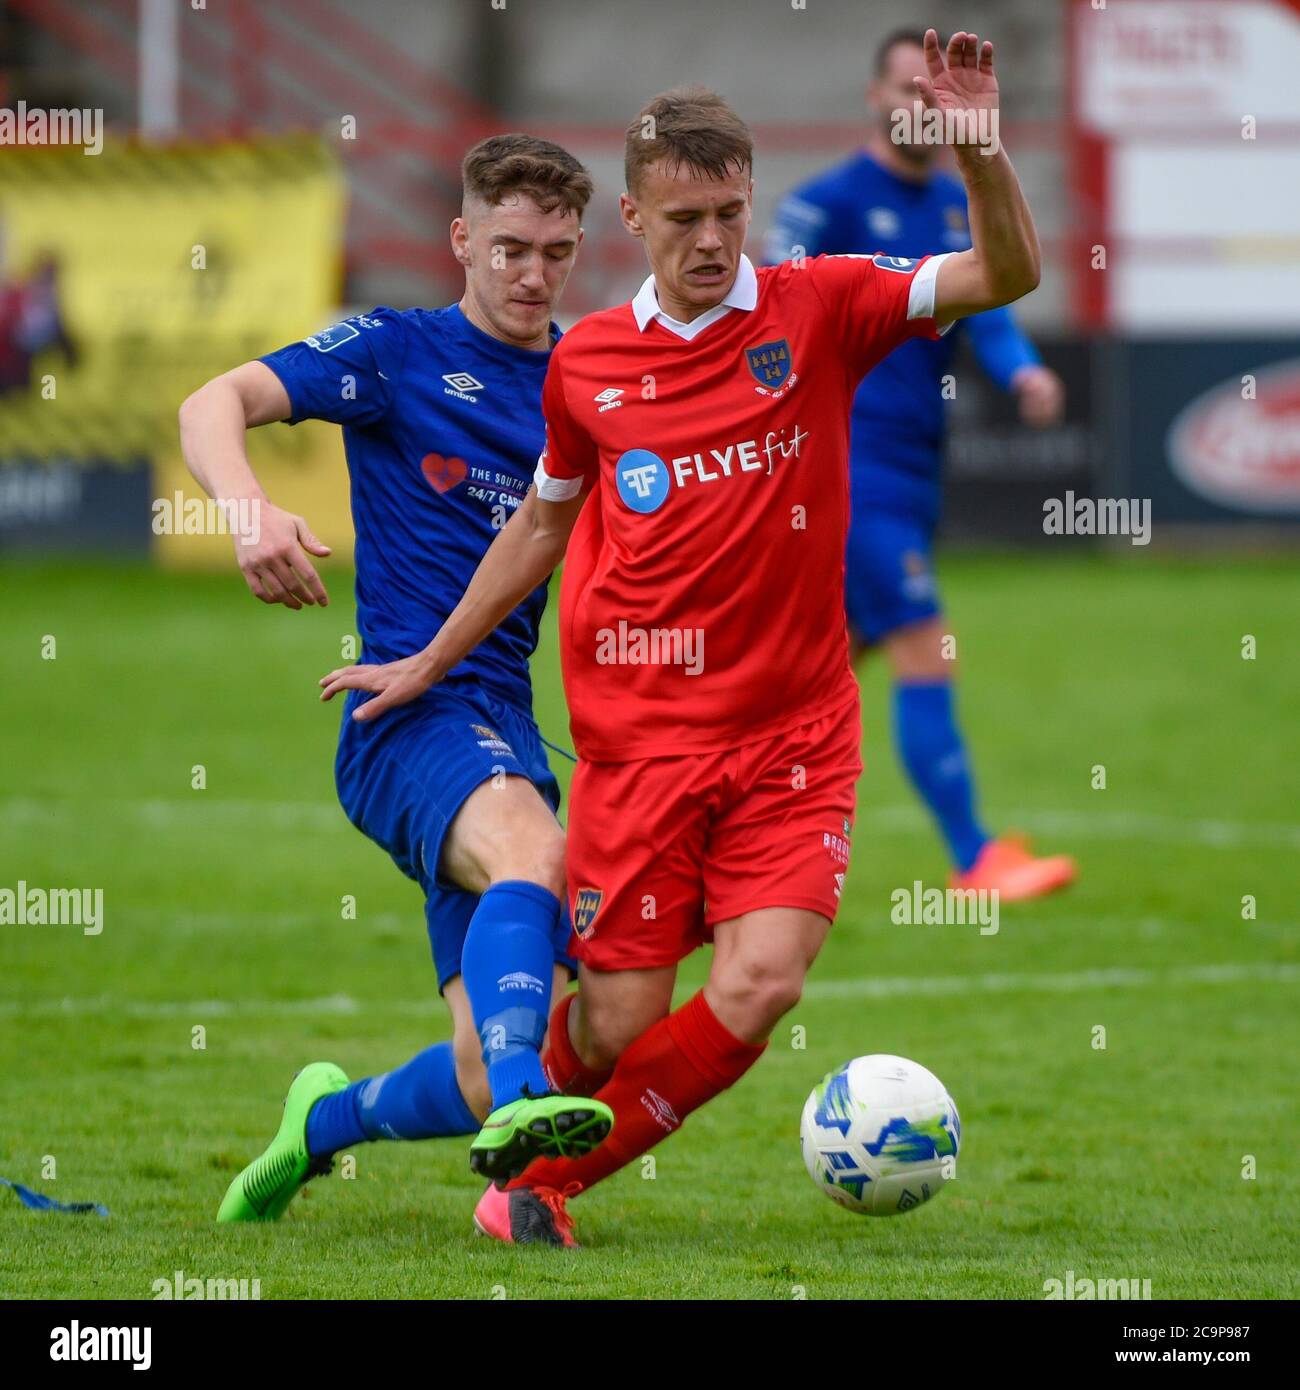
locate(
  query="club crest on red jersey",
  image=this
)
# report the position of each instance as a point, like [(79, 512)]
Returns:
[(769, 363), (586, 904)]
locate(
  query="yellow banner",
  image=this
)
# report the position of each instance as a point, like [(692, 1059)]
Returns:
[(129, 279)]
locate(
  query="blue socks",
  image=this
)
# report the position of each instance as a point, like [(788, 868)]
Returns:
[(931, 749), (507, 964), (513, 925), (420, 1100)]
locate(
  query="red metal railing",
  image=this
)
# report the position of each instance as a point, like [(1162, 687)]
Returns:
[(249, 66)]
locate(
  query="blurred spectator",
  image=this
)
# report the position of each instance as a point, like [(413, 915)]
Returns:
[(31, 321)]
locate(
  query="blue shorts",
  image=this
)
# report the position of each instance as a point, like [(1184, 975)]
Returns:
[(402, 779), (889, 578)]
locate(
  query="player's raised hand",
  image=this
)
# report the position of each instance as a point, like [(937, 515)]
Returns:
[(395, 683), (965, 83), (275, 565)]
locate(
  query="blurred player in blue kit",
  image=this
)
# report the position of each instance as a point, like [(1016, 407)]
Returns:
[(442, 425), (889, 197)]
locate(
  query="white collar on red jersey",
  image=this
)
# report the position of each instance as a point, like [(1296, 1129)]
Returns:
[(743, 294)]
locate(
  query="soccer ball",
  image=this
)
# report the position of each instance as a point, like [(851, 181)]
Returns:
[(880, 1135)]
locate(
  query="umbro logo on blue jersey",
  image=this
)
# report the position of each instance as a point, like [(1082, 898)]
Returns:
[(884, 223), (461, 385)]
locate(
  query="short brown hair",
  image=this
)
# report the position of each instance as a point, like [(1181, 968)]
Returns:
[(547, 173), (885, 49), (691, 127)]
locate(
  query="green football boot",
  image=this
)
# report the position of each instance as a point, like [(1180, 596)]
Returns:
[(546, 1126), (266, 1187)]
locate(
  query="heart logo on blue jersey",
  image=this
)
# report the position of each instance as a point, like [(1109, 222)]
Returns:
[(443, 474)]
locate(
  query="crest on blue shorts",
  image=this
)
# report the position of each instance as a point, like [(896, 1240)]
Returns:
[(586, 904), (769, 363)]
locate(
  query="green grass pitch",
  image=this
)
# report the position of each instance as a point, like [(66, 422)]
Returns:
[(223, 911)]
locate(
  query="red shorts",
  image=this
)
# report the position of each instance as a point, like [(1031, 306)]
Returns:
[(662, 849)]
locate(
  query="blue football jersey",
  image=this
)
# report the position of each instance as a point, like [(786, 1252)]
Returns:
[(859, 207), (442, 425)]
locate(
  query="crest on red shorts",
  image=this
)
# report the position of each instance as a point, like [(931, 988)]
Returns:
[(586, 904)]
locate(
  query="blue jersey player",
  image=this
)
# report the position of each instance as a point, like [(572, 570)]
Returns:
[(889, 198), (442, 424)]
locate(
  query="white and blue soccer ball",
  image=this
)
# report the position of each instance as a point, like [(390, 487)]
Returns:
[(880, 1135)]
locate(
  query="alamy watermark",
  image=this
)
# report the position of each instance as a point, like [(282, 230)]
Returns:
[(179, 515), (53, 907), (1072, 1288), (932, 125), (945, 907), (1098, 516), (651, 646), (38, 125), (78, 1343), (179, 1287)]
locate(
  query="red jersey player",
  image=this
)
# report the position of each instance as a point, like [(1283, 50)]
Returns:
[(697, 443)]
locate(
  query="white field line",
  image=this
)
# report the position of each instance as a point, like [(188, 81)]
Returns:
[(1058, 982), (197, 923), (181, 813), (1063, 982), (860, 918), (201, 809), (1111, 825)]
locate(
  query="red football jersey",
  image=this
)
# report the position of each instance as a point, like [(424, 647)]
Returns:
[(702, 603)]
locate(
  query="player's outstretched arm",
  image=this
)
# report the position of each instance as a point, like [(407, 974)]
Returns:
[(1010, 359), (1003, 263), (529, 547), (213, 421)]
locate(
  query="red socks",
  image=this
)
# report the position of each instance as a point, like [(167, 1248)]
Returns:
[(564, 1069), (671, 1069)]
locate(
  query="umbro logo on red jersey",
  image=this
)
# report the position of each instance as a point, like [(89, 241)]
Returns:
[(608, 399)]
